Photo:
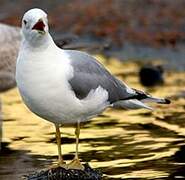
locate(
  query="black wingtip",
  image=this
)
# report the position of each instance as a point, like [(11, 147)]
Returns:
[(167, 101)]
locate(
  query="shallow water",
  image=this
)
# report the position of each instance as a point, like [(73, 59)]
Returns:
[(138, 144)]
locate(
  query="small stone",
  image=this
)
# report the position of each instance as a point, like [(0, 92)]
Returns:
[(151, 75)]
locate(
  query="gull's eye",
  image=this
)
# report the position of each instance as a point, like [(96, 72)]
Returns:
[(25, 22)]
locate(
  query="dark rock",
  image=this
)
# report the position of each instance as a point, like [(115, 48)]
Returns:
[(62, 174), (151, 75)]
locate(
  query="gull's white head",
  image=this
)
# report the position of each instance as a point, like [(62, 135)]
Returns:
[(34, 24)]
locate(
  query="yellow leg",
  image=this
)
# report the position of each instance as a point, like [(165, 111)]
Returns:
[(76, 164), (58, 138), (77, 133), (61, 162)]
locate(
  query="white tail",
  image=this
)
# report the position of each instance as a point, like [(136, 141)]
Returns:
[(131, 104)]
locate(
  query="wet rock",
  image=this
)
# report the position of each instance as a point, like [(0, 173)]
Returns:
[(151, 75), (72, 174)]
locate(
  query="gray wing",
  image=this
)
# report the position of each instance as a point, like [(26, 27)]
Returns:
[(89, 74)]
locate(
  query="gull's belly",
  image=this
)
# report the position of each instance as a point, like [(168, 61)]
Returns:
[(45, 90), (51, 100)]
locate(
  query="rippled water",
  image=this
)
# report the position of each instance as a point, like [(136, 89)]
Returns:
[(137, 144)]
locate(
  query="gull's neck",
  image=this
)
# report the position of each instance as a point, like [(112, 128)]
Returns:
[(38, 43)]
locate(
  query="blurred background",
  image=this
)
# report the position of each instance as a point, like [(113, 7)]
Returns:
[(141, 42)]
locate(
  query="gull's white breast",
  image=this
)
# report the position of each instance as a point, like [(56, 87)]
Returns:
[(42, 79)]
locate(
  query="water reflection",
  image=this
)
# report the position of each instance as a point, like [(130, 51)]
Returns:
[(123, 144)]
